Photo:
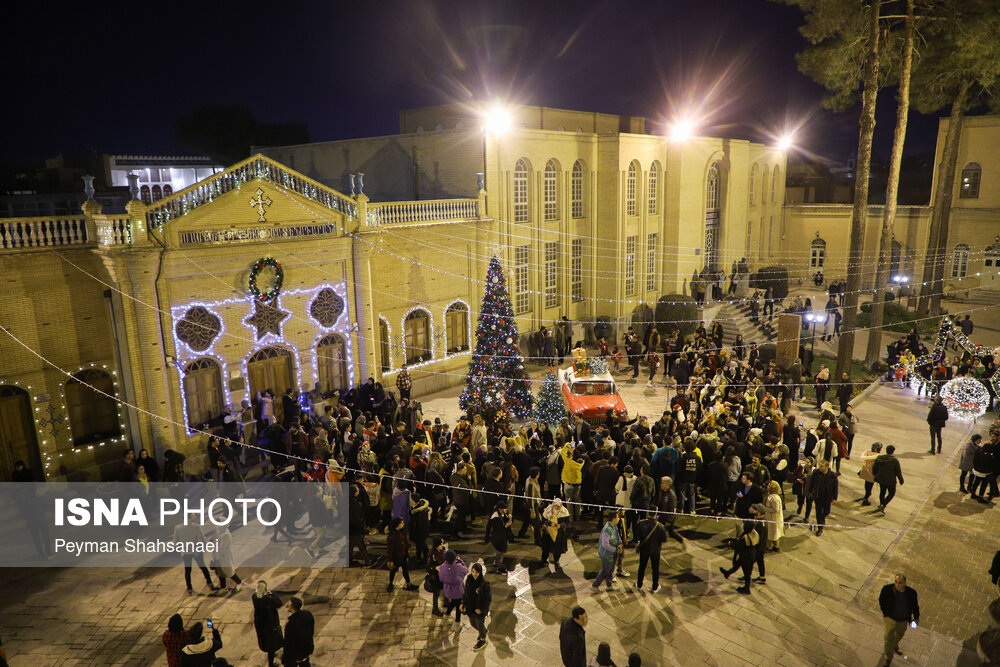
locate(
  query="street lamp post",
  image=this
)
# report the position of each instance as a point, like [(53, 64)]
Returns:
[(814, 318)]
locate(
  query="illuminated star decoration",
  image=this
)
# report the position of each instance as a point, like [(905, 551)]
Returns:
[(949, 329), (267, 318)]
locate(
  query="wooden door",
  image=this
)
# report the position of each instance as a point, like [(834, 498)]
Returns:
[(271, 368), (17, 433)]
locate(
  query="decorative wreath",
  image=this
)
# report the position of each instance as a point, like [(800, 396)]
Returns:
[(279, 278)]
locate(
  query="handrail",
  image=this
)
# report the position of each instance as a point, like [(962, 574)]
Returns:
[(257, 166), (433, 210), (16, 233), (114, 230)]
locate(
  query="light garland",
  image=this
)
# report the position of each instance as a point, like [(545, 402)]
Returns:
[(430, 336), (947, 329), (219, 308), (965, 398), (76, 450)]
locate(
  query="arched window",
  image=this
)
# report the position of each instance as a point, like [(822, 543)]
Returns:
[(521, 191), (992, 256), (712, 189), (774, 184), (93, 416), (652, 191), (971, 174), (383, 345), (960, 261), (630, 184), (144, 195), (550, 190), (167, 191), (753, 181), (576, 190), (331, 363), (203, 395), (272, 368), (157, 193), (417, 336), (817, 253), (457, 321)]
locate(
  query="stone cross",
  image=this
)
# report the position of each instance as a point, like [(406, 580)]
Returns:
[(259, 201)]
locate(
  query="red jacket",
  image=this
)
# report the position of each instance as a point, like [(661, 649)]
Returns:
[(174, 642)]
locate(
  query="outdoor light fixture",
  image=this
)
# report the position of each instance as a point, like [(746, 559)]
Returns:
[(785, 142), (682, 130), (497, 121)]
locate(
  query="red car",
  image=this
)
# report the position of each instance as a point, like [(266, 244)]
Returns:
[(591, 396)]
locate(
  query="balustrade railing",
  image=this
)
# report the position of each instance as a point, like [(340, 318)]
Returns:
[(387, 213), (258, 166), (17, 233), (115, 230)]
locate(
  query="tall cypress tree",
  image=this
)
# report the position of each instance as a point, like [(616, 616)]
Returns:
[(497, 384)]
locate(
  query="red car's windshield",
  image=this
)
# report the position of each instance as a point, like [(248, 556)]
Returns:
[(592, 388)]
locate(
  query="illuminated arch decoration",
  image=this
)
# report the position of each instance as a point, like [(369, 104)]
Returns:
[(462, 305), (198, 328), (922, 367), (182, 370)]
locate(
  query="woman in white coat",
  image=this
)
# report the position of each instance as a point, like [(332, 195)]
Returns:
[(774, 514)]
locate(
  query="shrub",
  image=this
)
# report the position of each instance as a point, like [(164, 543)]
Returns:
[(775, 277), (676, 311), (894, 318)]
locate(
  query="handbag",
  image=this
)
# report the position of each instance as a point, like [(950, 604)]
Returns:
[(432, 584)]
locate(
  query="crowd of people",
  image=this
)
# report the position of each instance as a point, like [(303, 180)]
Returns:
[(732, 442)]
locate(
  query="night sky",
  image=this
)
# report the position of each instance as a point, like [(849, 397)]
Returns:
[(110, 77)]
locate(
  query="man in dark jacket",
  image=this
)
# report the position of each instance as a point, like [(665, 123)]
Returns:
[(936, 418), (886, 471), (498, 532), (650, 534), (898, 603), (397, 550), (299, 630), (461, 498), (200, 652), (747, 494), (604, 486), (573, 639), (844, 391)]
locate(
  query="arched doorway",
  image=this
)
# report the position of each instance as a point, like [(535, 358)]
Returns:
[(272, 368), (331, 364), (18, 440)]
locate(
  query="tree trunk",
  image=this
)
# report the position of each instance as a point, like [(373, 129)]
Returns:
[(937, 237), (874, 350), (859, 217)]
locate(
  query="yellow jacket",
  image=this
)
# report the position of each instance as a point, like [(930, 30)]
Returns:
[(571, 472)]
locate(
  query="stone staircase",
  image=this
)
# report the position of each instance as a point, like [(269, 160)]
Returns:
[(735, 319)]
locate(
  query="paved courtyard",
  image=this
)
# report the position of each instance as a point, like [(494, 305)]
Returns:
[(819, 606)]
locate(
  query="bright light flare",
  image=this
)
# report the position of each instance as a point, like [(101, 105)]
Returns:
[(786, 141), (497, 121), (682, 130)]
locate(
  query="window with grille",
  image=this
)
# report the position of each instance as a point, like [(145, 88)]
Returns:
[(652, 190), (331, 363), (629, 266), (383, 345), (457, 322), (630, 179), (417, 336), (971, 174), (651, 273), (521, 300), (551, 268), (202, 391), (93, 416), (960, 261), (521, 191), (817, 253), (774, 184), (576, 190), (550, 190), (712, 189), (753, 181), (576, 286)]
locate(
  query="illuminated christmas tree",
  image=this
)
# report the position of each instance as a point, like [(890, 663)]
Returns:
[(497, 384), (549, 405)]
